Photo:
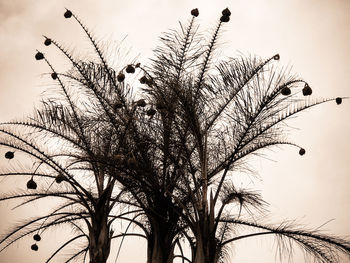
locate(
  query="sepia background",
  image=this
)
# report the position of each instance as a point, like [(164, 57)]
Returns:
[(312, 36)]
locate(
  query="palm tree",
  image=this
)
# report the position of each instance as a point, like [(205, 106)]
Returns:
[(66, 143), (107, 155), (160, 157), (224, 112)]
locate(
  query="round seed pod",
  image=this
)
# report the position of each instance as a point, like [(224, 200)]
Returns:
[(141, 103), (143, 80), (286, 91), (54, 75), (131, 162), (39, 56), (195, 12), (31, 184), (276, 57), (302, 151), (120, 77), (119, 158), (60, 178), (130, 69), (307, 91), (9, 155), (68, 14), (338, 100), (225, 19), (226, 12), (151, 112), (47, 42), (37, 237), (34, 247)]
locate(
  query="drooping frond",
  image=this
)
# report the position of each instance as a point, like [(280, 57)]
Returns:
[(324, 248)]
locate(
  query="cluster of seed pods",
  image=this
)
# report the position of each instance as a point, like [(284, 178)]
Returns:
[(37, 238)]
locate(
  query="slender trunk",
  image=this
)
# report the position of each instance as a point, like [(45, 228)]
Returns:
[(100, 241), (206, 246), (200, 256), (99, 233), (206, 252), (160, 245), (207, 249)]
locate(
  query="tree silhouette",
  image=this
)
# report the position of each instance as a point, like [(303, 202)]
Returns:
[(160, 157)]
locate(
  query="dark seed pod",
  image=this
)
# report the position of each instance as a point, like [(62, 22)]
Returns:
[(302, 151), (54, 75), (286, 91), (141, 103), (276, 57), (68, 14), (226, 12), (307, 91), (31, 184), (34, 247), (130, 69), (47, 42), (132, 162), (225, 19), (137, 65), (195, 12), (119, 158), (9, 155), (60, 178), (120, 77), (39, 56), (338, 100), (37, 237), (151, 112), (143, 80)]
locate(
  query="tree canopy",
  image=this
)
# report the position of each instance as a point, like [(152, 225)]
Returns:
[(156, 147)]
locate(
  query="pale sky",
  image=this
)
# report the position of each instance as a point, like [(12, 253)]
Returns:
[(311, 35)]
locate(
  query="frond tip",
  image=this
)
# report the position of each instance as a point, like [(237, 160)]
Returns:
[(39, 56), (47, 42), (195, 12), (226, 13), (323, 248), (68, 14)]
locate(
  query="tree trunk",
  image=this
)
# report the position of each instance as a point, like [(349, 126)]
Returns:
[(207, 249), (206, 252), (99, 234), (200, 256), (100, 241), (99, 245), (160, 245)]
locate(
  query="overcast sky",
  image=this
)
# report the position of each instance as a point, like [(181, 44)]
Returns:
[(311, 35)]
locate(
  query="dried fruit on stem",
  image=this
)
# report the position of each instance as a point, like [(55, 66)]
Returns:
[(9, 155), (195, 12)]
